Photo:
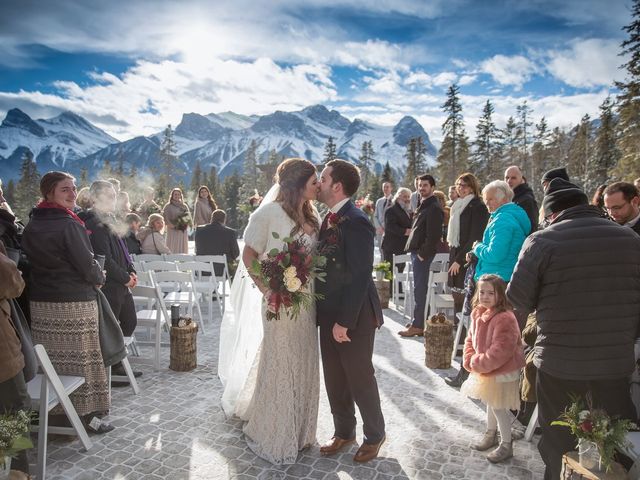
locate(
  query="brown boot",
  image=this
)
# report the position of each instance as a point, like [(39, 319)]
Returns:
[(411, 332)]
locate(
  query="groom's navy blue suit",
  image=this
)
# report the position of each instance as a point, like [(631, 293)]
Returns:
[(351, 300)]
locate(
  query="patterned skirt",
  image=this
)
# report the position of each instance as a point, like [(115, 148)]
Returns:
[(69, 333)]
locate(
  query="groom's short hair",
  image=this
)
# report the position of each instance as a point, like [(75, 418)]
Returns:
[(345, 173)]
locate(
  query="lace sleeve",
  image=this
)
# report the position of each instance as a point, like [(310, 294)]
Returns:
[(256, 235)]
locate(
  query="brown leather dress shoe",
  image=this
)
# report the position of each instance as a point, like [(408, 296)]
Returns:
[(368, 451), (411, 332), (335, 445)]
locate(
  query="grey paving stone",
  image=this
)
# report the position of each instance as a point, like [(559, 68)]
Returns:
[(176, 429)]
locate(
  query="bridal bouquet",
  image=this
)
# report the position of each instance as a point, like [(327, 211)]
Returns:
[(288, 273), (183, 221)]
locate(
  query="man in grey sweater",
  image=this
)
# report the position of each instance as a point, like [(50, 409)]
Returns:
[(582, 276)]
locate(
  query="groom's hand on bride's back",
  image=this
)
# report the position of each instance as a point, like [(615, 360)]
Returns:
[(340, 333)]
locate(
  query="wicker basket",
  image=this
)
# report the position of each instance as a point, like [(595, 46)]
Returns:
[(184, 356), (438, 342)]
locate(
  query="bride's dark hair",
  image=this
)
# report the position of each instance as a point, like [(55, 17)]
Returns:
[(292, 176)]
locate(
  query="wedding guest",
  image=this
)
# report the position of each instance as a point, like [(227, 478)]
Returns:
[(83, 200), (203, 207), (622, 202), (151, 236), (64, 310), (4, 205), (381, 206), (123, 205), (133, 244), (598, 197), (442, 200), (453, 195), (217, 239), (397, 220), (121, 276), (177, 219), (494, 354), (468, 220), (415, 196), (116, 184), (13, 389), (149, 205)]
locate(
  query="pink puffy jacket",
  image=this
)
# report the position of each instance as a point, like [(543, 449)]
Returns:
[(493, 345)]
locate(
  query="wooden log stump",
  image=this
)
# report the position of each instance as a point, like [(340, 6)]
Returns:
[(183, 356), (572, 470), (438, 342), (384, 291)]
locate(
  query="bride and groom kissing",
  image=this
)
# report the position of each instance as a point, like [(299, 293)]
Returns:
[(270, 368)]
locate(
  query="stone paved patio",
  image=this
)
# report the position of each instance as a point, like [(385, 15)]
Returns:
[(175, 429)]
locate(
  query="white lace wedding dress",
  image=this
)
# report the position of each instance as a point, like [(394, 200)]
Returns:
[(278, 400)]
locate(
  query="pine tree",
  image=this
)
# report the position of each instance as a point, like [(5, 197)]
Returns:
[(214, 184), (329, 151), (10, 192), (169, 167), (106, 171), (232, 201), (540, 154), (120, 165), (366, 162), (606, 153), (28, 187), (453, 156), (84, 178), (485, 161), (387, 174), (415, 156), (629, 102), (523, 135), (579, 151), (375, 187), (196, 178)]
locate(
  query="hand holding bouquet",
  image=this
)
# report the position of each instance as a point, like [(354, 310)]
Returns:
[(287, 273)]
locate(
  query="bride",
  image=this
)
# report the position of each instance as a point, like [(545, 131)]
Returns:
[(270, 367)]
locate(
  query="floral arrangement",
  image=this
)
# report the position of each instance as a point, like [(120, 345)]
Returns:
[(366, 205), (384, 267), (287, 273), (183, 221), (14, 434), (331, 238), (594, 425)]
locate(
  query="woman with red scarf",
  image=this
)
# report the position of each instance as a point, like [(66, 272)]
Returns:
[(64, 310)]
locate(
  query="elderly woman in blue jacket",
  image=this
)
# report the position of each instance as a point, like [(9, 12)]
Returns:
[(506, 231)]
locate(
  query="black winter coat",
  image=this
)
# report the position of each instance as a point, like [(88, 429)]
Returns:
[(396, 221), (426, 230), (524, 198), (582, 276), (61, 258)]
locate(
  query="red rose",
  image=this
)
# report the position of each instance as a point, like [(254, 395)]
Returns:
[(334, 218), (586, 426), (295, 259), (273, 284)]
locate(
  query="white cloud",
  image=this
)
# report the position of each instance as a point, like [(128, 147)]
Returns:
[(467, 79), (515, 70), (588, 63), (420, 79), (120, 105), (445, 79)]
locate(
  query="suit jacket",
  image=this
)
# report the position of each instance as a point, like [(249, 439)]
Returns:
[(349, 294), (396, 221), (378, 216), (426, 230), (217, 239)]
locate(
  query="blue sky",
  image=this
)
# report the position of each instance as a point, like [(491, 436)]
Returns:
[(132, 67)]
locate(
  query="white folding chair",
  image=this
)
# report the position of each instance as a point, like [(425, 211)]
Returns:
[(47, 390), (130, 344), (186, 293), (405, 279), (207, 285), (440, 262), (531, 427), (163, 266), (437, 297), (463, 321), (153, 319), (220, 260), (179, 257), (147, 257)]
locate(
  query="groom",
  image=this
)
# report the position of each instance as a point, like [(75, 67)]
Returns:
[(348, 314)]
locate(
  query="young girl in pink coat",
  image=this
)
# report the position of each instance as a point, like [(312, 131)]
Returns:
[(494, 354)]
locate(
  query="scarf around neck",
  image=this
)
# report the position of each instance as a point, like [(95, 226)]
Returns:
[(453, 234), (53, 205)]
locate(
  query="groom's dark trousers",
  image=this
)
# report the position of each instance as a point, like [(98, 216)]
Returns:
[(350, 299)]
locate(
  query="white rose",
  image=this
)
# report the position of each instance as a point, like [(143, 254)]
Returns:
[(293, 284), (290, 272)]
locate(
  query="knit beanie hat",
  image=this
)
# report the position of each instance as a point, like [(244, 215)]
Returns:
[(562, 194), (560, 172)]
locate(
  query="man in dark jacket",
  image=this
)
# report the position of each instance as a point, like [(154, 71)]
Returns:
[(581, 275), (217, 239), (622, 201), (426, 233), (522, 194), (121, 275)]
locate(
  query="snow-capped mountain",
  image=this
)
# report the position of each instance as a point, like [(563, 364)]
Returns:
[(56, 143), (216, 140)]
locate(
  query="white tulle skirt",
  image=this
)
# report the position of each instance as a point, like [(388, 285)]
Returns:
[(492, 392)]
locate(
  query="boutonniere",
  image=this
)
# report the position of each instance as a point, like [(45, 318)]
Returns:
[(335, 220)]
